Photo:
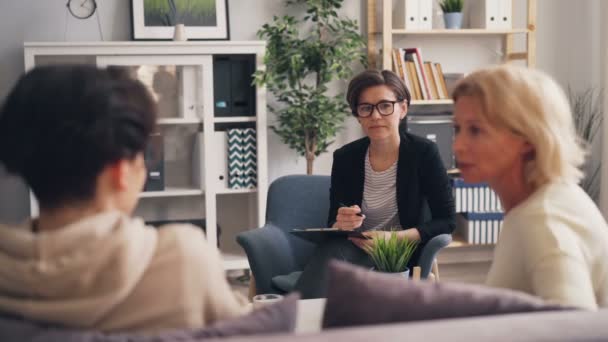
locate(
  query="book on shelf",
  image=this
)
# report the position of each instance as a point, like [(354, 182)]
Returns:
[(400, 68), (429, 72), (424, 79), (436, 81), (416, 71), (441, 78), (413, 75), (416, 55)]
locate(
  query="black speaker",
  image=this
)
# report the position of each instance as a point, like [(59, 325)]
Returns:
[(155, 163), (437, 128), (234, 94)]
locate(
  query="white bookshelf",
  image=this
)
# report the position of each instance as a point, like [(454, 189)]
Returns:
[(236, 191), (235, 119), (431, 102), (171, 192), (460, 32), (235, 261), (192, 153), (384, 32), (178, 121)]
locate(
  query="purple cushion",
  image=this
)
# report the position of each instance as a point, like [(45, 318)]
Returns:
[(279, 317), (357, 296)]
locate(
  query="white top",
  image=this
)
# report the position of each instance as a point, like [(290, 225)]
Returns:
[(110, 272), (554, 245), (380, 198)]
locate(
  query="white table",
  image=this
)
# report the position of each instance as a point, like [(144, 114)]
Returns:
[(309, 315)]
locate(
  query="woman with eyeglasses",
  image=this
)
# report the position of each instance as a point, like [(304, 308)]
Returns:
[(385, 181)]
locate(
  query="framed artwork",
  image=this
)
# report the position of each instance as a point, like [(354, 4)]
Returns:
[(156, 19)]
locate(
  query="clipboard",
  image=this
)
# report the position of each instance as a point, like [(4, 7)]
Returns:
[(317, 235)]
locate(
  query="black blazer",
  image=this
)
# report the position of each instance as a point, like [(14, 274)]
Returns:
[(421, 180)]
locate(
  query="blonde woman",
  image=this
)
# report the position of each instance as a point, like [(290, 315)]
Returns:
[(514, 130)]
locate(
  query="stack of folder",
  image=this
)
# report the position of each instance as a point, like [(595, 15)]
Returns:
[(479, 212)]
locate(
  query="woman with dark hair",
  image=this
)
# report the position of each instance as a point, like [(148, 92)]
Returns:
[(383, 181), (76, 135)]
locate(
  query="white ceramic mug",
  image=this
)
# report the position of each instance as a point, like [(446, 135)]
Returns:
[(265, 299)]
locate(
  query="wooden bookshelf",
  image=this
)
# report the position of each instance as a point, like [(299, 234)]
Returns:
[(386, 32), (461, 32), (431, 102)]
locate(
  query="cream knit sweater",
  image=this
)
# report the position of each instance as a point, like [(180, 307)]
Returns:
[(110, 272), (554, 245)]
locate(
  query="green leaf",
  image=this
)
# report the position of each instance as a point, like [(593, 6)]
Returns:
[(393, 254)]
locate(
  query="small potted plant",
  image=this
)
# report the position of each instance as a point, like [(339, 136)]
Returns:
[(391, 255), (452, 13)]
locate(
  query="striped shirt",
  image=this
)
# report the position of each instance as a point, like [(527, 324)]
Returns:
[(380, 198)]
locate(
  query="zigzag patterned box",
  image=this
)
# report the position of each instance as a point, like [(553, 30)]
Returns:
[(242, 158)]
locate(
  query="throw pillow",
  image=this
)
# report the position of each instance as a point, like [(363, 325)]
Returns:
[(357, 296), (275, 318)]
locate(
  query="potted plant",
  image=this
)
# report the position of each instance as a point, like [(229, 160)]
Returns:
[(302, 57), (452, 13), (391, 255), (588, 114)]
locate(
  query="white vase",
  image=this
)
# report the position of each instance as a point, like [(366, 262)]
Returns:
[(180, 33)]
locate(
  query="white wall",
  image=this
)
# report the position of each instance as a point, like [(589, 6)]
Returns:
[(564, 50), (604, 83)]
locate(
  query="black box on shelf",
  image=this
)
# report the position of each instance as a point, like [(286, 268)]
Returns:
[(437, 128), (234, 93), (155, 163)]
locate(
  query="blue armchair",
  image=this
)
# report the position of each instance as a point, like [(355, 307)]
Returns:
[(277, 257)]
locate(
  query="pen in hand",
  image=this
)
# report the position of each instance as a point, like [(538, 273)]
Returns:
[(344, 205)]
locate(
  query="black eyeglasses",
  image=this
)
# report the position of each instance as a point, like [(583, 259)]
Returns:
[(385, 108)]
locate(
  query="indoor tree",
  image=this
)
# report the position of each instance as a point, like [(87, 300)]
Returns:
[(303, 56)]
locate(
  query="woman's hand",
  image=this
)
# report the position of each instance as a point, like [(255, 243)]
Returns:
[(366, 244), (348, 219)]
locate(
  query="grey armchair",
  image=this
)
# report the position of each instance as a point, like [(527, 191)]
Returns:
[(277, 257)]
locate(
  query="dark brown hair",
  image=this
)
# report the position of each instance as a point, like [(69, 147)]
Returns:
[(371, 78), (61, 125)]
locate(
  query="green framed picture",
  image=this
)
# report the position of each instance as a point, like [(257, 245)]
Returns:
[(202, 19)]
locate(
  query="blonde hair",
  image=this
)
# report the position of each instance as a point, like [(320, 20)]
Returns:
[(532, 105)]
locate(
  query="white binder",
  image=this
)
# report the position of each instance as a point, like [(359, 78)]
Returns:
[(413, 14), (405, 14), (483, 14), (505, 14), (219, 169), (425, 14)]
